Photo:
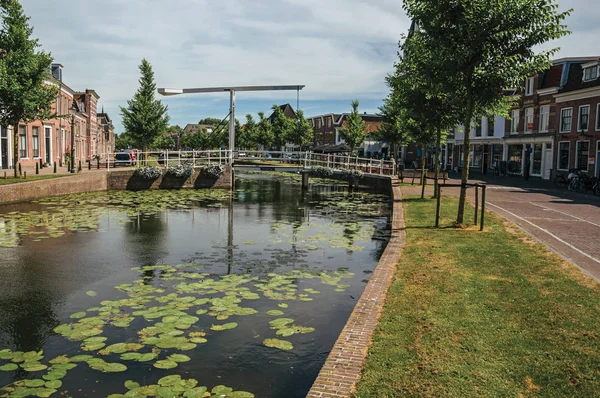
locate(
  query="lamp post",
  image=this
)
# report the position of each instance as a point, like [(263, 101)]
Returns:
[(73, 111)]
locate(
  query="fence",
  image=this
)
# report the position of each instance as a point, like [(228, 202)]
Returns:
[(476, 214)]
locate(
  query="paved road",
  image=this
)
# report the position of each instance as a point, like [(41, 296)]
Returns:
[(566, 222)]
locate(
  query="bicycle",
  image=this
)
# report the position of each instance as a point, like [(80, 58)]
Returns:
[(561, 181)]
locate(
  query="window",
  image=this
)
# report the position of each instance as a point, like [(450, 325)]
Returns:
[(563, 155), (544, 118), (583, 154), (35, 134), (528, 120), (23, 142), (598, 117), (529, 86), (478, 129), (566, 117), (491, 125), (514, 123), (584, 118), (590, 74), (328, 122)]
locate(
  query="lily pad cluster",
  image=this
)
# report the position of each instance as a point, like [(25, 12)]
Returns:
[(176, 386)]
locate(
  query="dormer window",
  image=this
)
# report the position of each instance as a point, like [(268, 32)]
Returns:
[(529, 86), (590, 73)]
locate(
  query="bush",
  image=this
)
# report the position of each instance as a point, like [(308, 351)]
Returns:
[(213, 172), (352, 175), (180, 171), (323, 172), (148, 172)]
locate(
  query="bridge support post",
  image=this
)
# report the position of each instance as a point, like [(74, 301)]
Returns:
[(305, 175)]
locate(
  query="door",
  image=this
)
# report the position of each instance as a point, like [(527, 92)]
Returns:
[(48, 144), (536, 164), (597, 160), (548, 159), (3, 148)]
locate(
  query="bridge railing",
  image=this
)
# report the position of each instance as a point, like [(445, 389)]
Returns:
[(166, 158), (345, 162)]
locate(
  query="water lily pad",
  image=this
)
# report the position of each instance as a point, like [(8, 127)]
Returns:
[(91, 293), (114, 368), (221, 390), (274, 313), (6, 354), (227, 326), (280, 344), (283, 305), (81, 358), (165, 364), (54, 375), (178, 358), (240, 394), (45, 392), (280, 322), (33, 366), (60, 359), (147, 357), (168, 381), (78, 315), (130, 384), (9, 367), (55, 384), (131, 356), (196, 392)]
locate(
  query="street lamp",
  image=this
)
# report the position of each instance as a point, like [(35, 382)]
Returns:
[(73, 111)]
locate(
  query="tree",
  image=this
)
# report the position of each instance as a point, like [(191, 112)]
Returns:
[(264, 132), (391, 130), (124, 141), (195, 141), (145, 117), (24, 95), (353, 133), (249, 132), (175, 129), (478, 48), (301, 133), (211, 121), (282, 127), (163, 142)]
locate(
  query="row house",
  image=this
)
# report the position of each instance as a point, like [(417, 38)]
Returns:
[(49, 141)]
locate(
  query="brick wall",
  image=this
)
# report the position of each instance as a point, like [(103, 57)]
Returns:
[(124, 179)]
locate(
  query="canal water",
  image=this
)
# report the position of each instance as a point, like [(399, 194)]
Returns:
[(238, 294)]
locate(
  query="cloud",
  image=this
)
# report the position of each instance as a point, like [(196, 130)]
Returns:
[(340, 49)]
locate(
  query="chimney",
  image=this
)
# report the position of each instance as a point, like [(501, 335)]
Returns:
[(57, 71)]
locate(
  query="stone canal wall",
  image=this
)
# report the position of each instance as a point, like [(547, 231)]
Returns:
[(93, 181), (79, 183), (342, 369)]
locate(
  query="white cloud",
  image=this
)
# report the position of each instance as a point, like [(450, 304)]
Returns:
[(338, 48)]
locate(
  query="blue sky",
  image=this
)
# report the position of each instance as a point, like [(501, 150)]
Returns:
[(340, 49)]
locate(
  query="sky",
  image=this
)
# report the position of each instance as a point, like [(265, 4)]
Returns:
[(340, 49)]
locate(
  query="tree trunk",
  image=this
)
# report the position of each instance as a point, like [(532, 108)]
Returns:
[(438, 142), (423, 181), (15, 147), (467, 150)]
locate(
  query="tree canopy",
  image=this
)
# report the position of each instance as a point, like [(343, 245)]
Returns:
[(353, 132)]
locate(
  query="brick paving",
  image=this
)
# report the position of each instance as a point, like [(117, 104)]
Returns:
[(342, 369), (568, 223)]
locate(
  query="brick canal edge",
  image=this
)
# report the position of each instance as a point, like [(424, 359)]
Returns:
[(342, 370)]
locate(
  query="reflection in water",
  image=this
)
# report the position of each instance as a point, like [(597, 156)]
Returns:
[(268, 228)]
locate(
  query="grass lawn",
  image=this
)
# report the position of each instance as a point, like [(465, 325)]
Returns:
[(12, 180), (490, 314)]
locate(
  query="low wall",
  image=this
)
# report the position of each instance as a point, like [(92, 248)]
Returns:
[(79, 183), (124, 179)]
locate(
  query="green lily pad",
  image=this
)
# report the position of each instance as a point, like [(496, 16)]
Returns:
[(169, 381), (92, 347), (147, 357), (166, 392), (283, 305), (34, 383), (114, 368), (60, 359), (280, 322), (54, 384), (197, 392), (131, 356), (54, 375), (221, 390), (280, 344), (227, 326), (91, 293), (9, 367), (130, 384), (178, 358), (45, 392), (198, 340), (78, 315), (240, 394), (274, 313), (165, 364), (6, 354), (34, 366), (81, 358)]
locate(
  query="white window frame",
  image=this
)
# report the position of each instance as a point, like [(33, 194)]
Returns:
[(529, 87), (579, 129), (33, 142), (577, 155), (592, 68), (526, 120), (560, 126), (514, 122), (26, 157), (558, 155), (544, 116), (46, 129)]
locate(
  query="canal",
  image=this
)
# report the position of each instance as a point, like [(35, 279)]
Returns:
[(232, 293)]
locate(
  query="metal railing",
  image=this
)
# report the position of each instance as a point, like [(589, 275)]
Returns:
[(203, 158)]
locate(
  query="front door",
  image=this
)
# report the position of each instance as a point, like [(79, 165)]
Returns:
[(3, 147), (48, 142), (536, 161), (548, 159)]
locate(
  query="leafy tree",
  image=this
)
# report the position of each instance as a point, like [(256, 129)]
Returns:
[(24, 97), (124, 141), (145, 117), (478, 48), (301, 133), (282, 127), (163, 142), (391, 130), (264, 132), (195, 141), (354, 130), (210, 121), (249, 132), (175, 129)]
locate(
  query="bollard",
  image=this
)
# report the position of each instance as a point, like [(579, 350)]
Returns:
[(20, 170), (37, 169), (41, 164), (89, 164), (482, 208), (79, 168), (25, 175), (59, 163), (5, 175), (476, 204), (54, 167), (98, 162), (438, 206)]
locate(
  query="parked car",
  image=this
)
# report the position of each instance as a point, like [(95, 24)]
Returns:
[(125, 158)]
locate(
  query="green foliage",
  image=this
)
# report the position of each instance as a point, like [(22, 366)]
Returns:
[(301, 133), (248, 134), (282, 127), (23, 70), (145, 117), (354, 131), (124, 141), (175, 129), (163, 142), (210, 121), (195, 141), (147, 173), (265, 135)]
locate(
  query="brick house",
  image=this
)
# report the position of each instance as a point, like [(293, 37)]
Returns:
[(49, 141), (106, 134), (578, 118)]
